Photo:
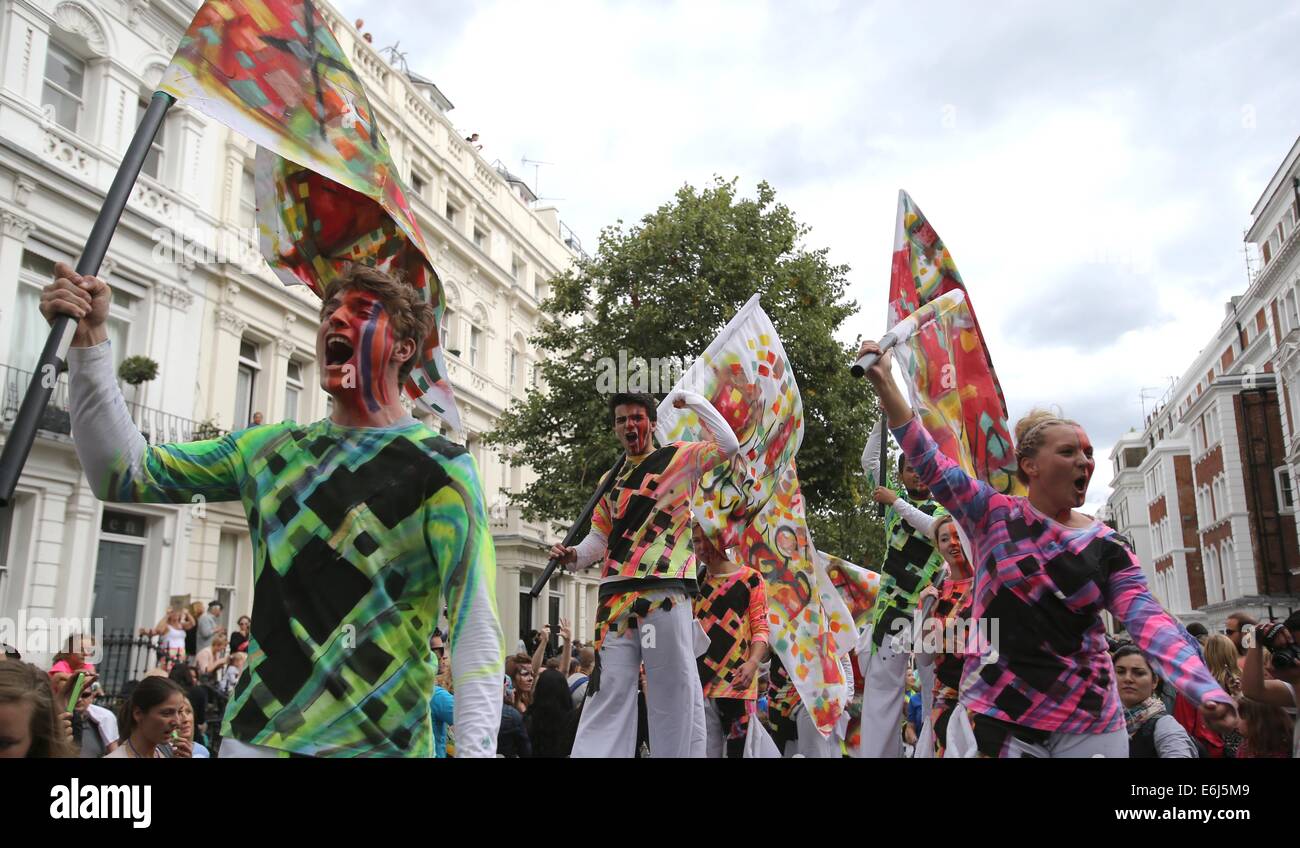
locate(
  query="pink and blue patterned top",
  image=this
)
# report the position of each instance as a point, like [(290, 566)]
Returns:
[(1046, 585)]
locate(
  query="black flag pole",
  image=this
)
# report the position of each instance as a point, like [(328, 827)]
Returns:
[(576, 529), (55, 353)]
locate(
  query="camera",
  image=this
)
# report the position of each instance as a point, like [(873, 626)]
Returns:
[(1284, 656)]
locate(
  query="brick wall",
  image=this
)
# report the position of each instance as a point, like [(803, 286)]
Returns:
[(1189, 535)]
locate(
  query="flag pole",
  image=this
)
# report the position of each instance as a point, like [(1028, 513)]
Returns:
[(576, 528), (55, 353)]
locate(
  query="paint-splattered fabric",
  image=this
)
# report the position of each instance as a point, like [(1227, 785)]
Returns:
[(732, 609), (646, 515), (328, 192), (622, 613), (909, 565), (782, 696), (1047, 585), (757, 504), (946, 363), (859, 587), (359, 536)]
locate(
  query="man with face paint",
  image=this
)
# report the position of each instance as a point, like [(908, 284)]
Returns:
[(910, 565), (362, 526), (641, 532)]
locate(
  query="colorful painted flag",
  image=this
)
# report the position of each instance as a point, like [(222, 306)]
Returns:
[(328, 193), (946, 362), (856, 585), (756, 502)]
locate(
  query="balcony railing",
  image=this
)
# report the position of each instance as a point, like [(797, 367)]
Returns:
[(157, 427)]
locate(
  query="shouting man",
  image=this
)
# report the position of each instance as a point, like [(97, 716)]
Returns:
[(641, 532), (361, 524)]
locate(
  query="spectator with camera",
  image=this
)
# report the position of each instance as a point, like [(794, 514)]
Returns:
[(1283, 639)]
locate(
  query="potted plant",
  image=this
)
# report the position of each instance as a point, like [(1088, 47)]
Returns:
[(137, 370), (207, 429)]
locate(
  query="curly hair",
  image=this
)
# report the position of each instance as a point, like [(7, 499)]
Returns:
[(411, 314)]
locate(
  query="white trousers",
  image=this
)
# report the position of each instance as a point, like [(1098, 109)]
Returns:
[(812, 744), (925, 739), (666, 642), (882, 700)]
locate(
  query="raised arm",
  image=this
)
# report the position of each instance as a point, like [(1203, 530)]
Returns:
[(871, 455), (566, 653), (117, 461), (1166, 644), (716, 429), (456, 530), (1253, 683), (966, 497), (915, 517)]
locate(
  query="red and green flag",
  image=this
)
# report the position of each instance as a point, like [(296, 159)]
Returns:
[(328, 193)]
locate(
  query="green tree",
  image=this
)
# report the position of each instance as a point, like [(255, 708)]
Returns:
[(666, 287)]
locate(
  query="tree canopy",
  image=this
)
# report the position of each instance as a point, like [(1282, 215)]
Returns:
[(665, 288)]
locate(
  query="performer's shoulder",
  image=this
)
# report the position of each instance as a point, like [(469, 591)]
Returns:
[(438, 447)]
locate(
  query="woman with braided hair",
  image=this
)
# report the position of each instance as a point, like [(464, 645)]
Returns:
[(1045, 572)]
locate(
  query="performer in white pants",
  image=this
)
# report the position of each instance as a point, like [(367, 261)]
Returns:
[(910, 565), (641, 532)]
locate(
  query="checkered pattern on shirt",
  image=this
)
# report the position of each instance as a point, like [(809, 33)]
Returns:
[(646, 515), (1047, 584), (358, 535), (732, 609), (910, 565)]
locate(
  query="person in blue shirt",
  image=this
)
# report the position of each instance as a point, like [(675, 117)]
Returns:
[(442, 704)]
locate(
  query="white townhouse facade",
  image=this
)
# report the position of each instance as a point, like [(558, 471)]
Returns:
[(230, 340), (1217, 457)]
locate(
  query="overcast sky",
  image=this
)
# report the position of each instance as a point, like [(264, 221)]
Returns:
[(1091, 166)]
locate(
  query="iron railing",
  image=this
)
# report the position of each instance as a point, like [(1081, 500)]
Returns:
[(157, 427)]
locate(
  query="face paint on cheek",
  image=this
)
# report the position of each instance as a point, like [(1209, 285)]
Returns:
[(1085, 446), (641, 432), (375, 350)]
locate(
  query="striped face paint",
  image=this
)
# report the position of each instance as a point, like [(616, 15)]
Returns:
[(354, 346)]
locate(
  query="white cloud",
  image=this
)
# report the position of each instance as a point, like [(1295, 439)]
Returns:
[(1091, 167)]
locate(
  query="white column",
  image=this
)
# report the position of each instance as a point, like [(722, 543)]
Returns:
[(27, 32), (81, 551), (13, 237), (223, 362), (185, 148), (277, 374), (49, 555), (118, 107), (508, 603)]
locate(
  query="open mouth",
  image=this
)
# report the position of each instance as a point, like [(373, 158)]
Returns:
[(338, 350), (1081, 485)]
